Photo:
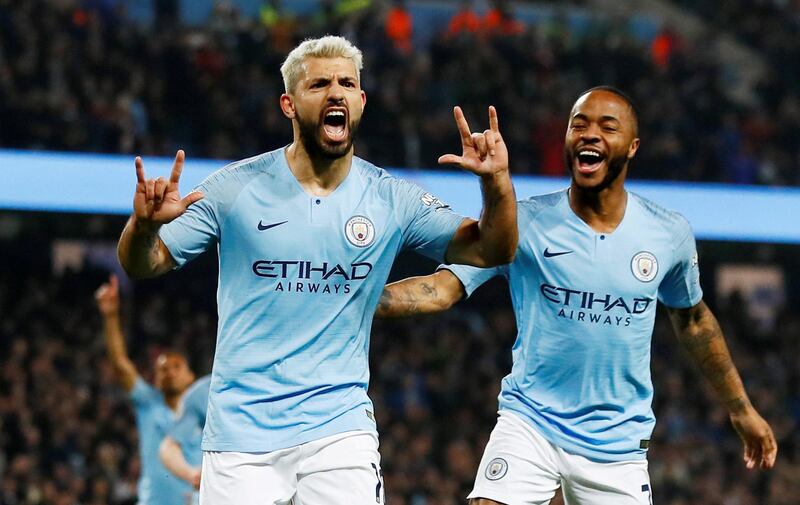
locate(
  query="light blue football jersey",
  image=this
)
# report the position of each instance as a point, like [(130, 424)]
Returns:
[(300, 277), (154, 419), (188, 428), (585, 304)]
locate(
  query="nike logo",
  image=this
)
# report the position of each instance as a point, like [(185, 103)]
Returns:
[(548, 254), (262, 227)]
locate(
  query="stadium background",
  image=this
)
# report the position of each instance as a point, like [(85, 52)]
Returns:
[(717, 85)]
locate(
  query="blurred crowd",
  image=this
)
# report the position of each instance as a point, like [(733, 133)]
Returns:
[(67, 433), (81, 75)]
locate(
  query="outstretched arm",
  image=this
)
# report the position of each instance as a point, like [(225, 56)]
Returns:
[(156, 201), (492, 240), (420, 295), (107, 297), (701, 335), (171, 456)]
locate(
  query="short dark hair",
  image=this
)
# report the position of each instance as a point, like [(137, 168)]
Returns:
[(173, 351), (619, 93)]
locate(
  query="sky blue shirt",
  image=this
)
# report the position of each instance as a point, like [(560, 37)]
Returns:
[(300, 277), (154, 419), (585, 304), (188, 428)]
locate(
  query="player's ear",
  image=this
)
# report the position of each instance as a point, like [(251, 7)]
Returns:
[(633, 148), (287, 106), (363, 99)]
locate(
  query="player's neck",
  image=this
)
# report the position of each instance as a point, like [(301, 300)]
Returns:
[(318, 175), (172, 401), (601, 210)]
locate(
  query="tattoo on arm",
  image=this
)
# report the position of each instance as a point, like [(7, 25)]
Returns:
[(701, 335), (385, 303), (491, 198), (416, 295), (428, 290), (140, 252)]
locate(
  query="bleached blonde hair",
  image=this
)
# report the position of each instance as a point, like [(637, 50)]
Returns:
[(329, 46)]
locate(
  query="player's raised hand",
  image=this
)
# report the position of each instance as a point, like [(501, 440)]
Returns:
[(482, 153), (107, 297), (158, 201), (760, 447)]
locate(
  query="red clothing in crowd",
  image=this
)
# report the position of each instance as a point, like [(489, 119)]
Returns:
[(399, 29)]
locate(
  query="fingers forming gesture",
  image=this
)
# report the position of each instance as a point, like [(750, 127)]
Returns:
[(482, 153), (158, 201)]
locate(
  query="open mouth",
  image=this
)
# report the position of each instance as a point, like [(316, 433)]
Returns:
[(334, 124), (589, 161)]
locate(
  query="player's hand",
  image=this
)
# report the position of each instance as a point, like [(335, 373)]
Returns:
[(157, 201), (483, 154), (195, 478), (107, 297), (760, 447)]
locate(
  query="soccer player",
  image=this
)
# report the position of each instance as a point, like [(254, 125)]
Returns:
[(154, 405), (592, 260), (306, 236), (180, 450)]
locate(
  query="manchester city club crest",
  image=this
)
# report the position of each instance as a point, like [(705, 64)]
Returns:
[(644, 266), (359, 231), (496, 469)]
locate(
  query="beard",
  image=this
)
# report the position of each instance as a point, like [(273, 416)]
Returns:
[(311, 137), (614, 167)]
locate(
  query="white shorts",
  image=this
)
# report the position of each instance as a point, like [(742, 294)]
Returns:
[(520, 467), (342, 469)]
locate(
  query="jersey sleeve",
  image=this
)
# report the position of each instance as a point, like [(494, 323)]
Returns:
[(143, 394), (193, 414), (199, 227), (428, 223), (472, 277), (680, 287)]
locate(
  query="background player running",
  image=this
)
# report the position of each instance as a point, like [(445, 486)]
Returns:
[(307, 235), (592, 260), (154, 405)]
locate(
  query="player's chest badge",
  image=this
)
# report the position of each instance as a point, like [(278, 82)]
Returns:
[(644, 266), (359, 231)]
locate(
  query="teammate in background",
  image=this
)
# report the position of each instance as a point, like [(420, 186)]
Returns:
[(306, 236), (180, 450), (154, 405), (592, 260)]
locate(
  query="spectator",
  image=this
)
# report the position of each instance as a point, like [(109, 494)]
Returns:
[(99, 82), (464, 21), (664, 46), (399, 27), (499, 20)]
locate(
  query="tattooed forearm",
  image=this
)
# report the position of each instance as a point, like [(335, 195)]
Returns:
[(737, 404), (385, 304), (419, 295), (428, 291), (699, 332), (140, 251), (405, 298), (498, 222)]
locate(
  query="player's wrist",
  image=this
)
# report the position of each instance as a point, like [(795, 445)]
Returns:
[(496, 176), (739, 407), (110, 315), (142, 226), (190, 474)]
